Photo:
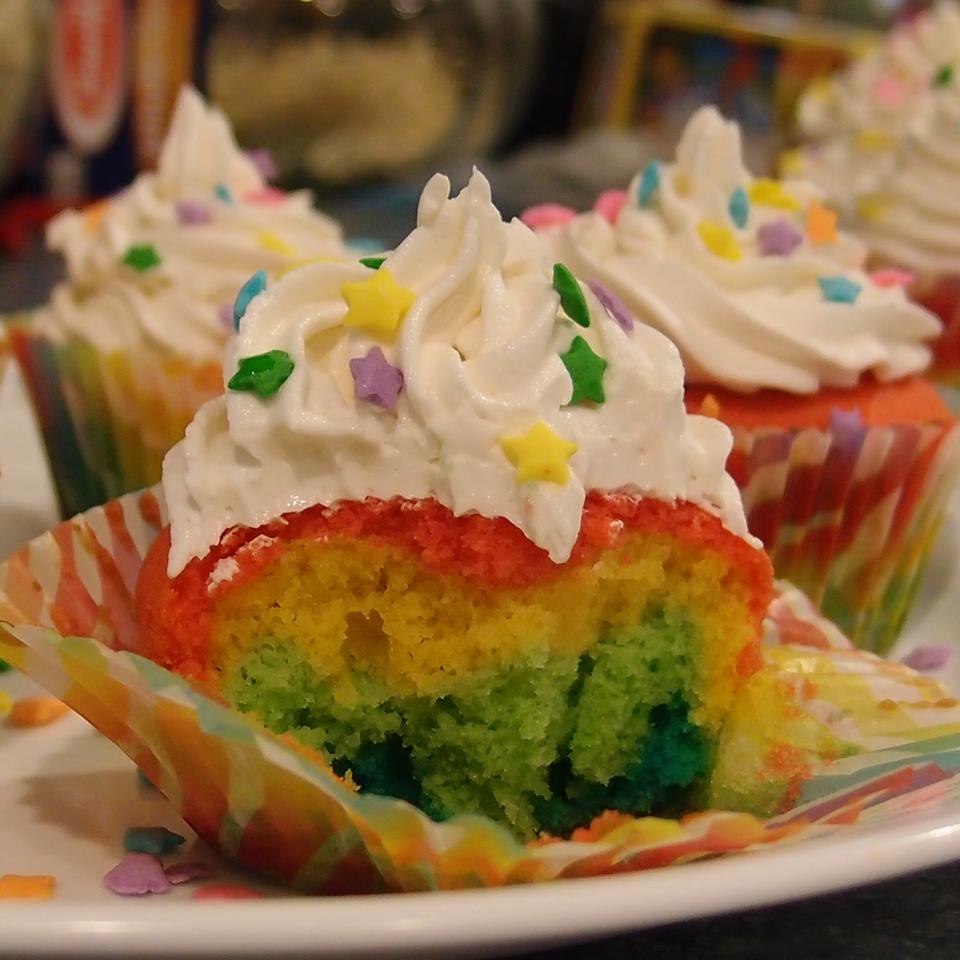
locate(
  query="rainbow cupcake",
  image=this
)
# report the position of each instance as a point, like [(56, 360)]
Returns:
[(844, 454), (452, 529), (129, 346)]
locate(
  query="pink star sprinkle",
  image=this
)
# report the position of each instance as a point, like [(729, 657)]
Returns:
[(609, 204), (889, 90), (376, 380), (547, 215), (266, 196), (263, 160), (892, 278), (136, 875)]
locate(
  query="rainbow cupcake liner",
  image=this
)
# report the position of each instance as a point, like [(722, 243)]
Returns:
[(67, 615), (942, 297), (849, 514), (107, 419)]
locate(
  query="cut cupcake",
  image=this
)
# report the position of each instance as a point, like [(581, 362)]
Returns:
[(844, 454), (452, 527), (130, 344)]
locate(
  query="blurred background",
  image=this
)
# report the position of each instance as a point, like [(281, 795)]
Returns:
[(362, 99)]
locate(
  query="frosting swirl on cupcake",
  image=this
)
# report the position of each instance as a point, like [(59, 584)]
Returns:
[(912, 219), (450, 371), (154, 265), (750, 278)]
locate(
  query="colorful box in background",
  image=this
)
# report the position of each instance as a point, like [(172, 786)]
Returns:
[(115, 69), (654, 62)]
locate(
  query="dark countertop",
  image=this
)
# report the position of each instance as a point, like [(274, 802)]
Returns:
[(916, 916)]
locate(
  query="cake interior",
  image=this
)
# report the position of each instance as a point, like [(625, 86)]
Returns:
[(539, 704)]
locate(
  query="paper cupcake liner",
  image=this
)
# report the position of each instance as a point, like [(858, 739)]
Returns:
[(67, 621), (941, 296), (107, 419), (849, 515)]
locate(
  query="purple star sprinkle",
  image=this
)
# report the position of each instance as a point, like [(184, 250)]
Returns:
[(376, 380), (928, 659), (185, 872), (613, 305), (191, 212), (137, 874), (263, 160), (779, 238), (225, 313)]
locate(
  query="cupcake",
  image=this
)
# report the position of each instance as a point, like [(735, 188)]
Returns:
[(452, 528), (844, 454), (911, 222), (129, 345), (853, 123)]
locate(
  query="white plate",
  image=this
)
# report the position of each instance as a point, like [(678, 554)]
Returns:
[(67, 795)]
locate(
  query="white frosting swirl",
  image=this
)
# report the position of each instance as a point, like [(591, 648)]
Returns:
[(859, 117), (480, 354), (176, 306), (913, 218), (760, 321)]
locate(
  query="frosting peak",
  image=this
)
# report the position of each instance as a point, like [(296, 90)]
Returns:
[(154, 266), (749, 277), (481, 391)]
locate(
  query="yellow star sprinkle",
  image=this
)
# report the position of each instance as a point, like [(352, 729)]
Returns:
[(821, 223), (270, 241), (871, 207), (719, 240), (539, 454), (770, 193), (869, 139), (791, 163), (377, 306)]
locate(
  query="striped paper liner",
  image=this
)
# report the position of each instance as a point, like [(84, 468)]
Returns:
[(67, 612), (107, 419)]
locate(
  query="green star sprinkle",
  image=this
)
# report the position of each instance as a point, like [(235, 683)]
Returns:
[(571, 296), (586, 371), (142, 258), (943, 76), (374, 263), (263, 374)]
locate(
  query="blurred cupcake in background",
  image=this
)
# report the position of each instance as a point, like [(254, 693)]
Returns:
[(843, 452), (854, 122), (911, 224), (129, 346)]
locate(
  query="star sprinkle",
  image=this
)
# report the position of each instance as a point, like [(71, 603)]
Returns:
[(791, 163), (613, 305), (4, 666), (871, 207), (252, 288), (137, 874), (19, 887), (222, 192), (870, 139), (94, 214), (36, 711), (274, 244), (572, 300), (6, 703), (944, 76), (609, 204), (928, 659), (821, 223), (779, 238), (377, 306), (839, 289), (771, 193), (156, 840), (142, 257), (374, 263), (266, 196), (185, 872), (892, 278), (649, 184), (547, 215), (710, 407), (889, 90), (539, 454), (263, 374), (376, 380), (586, 371), (225, 315), (190, 213), (739, 207), (263, 160), (719, 240)]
